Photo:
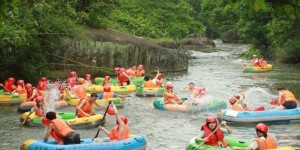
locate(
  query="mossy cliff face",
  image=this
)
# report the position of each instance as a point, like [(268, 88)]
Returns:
[(111, 48)]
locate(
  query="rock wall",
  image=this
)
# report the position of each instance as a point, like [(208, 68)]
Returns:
[(108, 49)]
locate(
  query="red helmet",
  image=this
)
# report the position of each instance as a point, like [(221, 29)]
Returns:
[(72, 74), (27, 86), (110, 111), (124, 119), (39, 99), (160, 75), (210, 119), (262, 127), (19, 82), (11, 79), (43, 79), (117, 68), (232, 100), (107, 78), (88, 76), (81, 80), (169, 85), (106, 89)]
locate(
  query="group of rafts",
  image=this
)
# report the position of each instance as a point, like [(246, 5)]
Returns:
[(71, 97), (260, 115)]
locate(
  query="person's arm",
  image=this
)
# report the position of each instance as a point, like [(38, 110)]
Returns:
[(32, 96), (280, 94), (229, 130), (80, 106), (49, 129), (102, 128), (31, 111), (126, 75), (200, 137)]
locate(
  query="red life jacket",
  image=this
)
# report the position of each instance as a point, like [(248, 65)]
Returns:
[(214, 138), (30, 92), (9, 86)]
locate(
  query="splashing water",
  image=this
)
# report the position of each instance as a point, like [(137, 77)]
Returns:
[(51, 96), (258, 96)]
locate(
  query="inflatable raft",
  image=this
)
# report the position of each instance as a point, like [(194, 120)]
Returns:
[(150, 92), (134, 142), (114, 81), (258, 69), (287, 115), (117, 89), (213, 106), (102, 102), (6, 98), (232, 142), (69, 117), (27, 105)]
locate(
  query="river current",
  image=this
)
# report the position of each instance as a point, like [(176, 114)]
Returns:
[(217, 69)]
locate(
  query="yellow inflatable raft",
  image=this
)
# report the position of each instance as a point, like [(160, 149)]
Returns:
[(6, 98), (102, 102)]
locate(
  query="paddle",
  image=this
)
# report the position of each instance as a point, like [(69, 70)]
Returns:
[(210, 135), (5, 88), (102, 121)]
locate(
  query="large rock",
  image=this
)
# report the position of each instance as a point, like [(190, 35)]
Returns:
[(230, 36), (197, 42), (110, 48)]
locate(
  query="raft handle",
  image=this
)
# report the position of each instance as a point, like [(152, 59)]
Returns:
[(242, 142)]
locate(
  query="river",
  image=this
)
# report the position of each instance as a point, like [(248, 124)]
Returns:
[(217, 69)]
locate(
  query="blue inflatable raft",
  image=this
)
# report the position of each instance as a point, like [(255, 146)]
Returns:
[(134, 142), (276, 116)]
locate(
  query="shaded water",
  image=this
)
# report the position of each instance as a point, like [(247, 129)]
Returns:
[(219, 70)]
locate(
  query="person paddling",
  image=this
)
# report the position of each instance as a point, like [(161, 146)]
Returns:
[(263, 141), (119, 132), (169, 96), (286, 99), (211, 134)]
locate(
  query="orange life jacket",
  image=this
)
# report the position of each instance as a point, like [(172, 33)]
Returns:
[(61, 129), (255, 62), (139, 73), (80, 91), (107, 95), (269, 143), (149, 84), (287, 96), (214, 138), (87, 107), (20, 89), (169, 99), (114, 136), (237, 107), (37, 111)]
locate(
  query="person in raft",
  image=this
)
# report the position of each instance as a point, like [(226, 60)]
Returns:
[(88, 80), (235, 106), (32, 92), (119, 132), (60, 131), (106, 81), (9, 85), (263, 141), (211, 134), (39, 109), (169, 96), (84, 107), (122, 76), (158, 79), (107, 93), (149, 83), (286, 99)]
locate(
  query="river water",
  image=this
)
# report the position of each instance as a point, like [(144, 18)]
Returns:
[(219, 70)]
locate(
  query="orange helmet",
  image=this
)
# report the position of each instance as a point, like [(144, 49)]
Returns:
[(124, 119), (107, 78), (262, 127), (232, 100), (72, 74), (106, 89), (27, 86), (210, 119), (39, 99), (19, 82), (88, 76), (81, 80), (160, 75)]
